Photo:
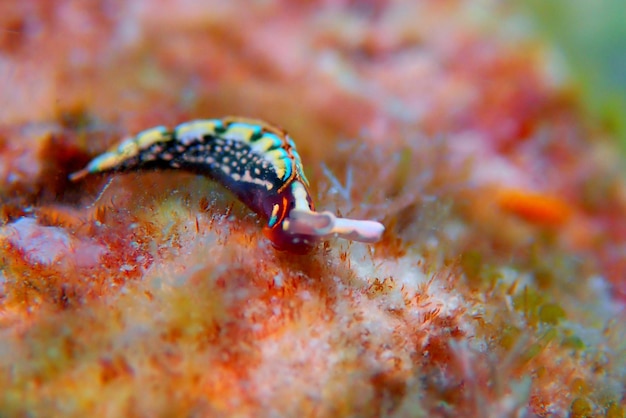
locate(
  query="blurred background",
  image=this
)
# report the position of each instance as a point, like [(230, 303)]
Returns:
[(591, 37)]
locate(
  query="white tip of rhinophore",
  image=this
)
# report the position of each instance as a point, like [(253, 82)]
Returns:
[(355, 230), (325, 224)]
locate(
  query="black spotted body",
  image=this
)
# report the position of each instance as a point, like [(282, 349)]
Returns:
[(254, 160)]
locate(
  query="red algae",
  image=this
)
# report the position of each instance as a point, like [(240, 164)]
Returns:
[(155, 294)]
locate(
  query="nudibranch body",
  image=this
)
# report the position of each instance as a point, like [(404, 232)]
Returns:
[(254, 160)]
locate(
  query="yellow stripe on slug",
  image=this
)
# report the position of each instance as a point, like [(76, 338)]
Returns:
[(152, 136)]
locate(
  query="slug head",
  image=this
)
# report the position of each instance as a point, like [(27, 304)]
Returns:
[(277, 209)]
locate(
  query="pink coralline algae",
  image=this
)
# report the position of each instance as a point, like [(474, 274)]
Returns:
[(49, 245)]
